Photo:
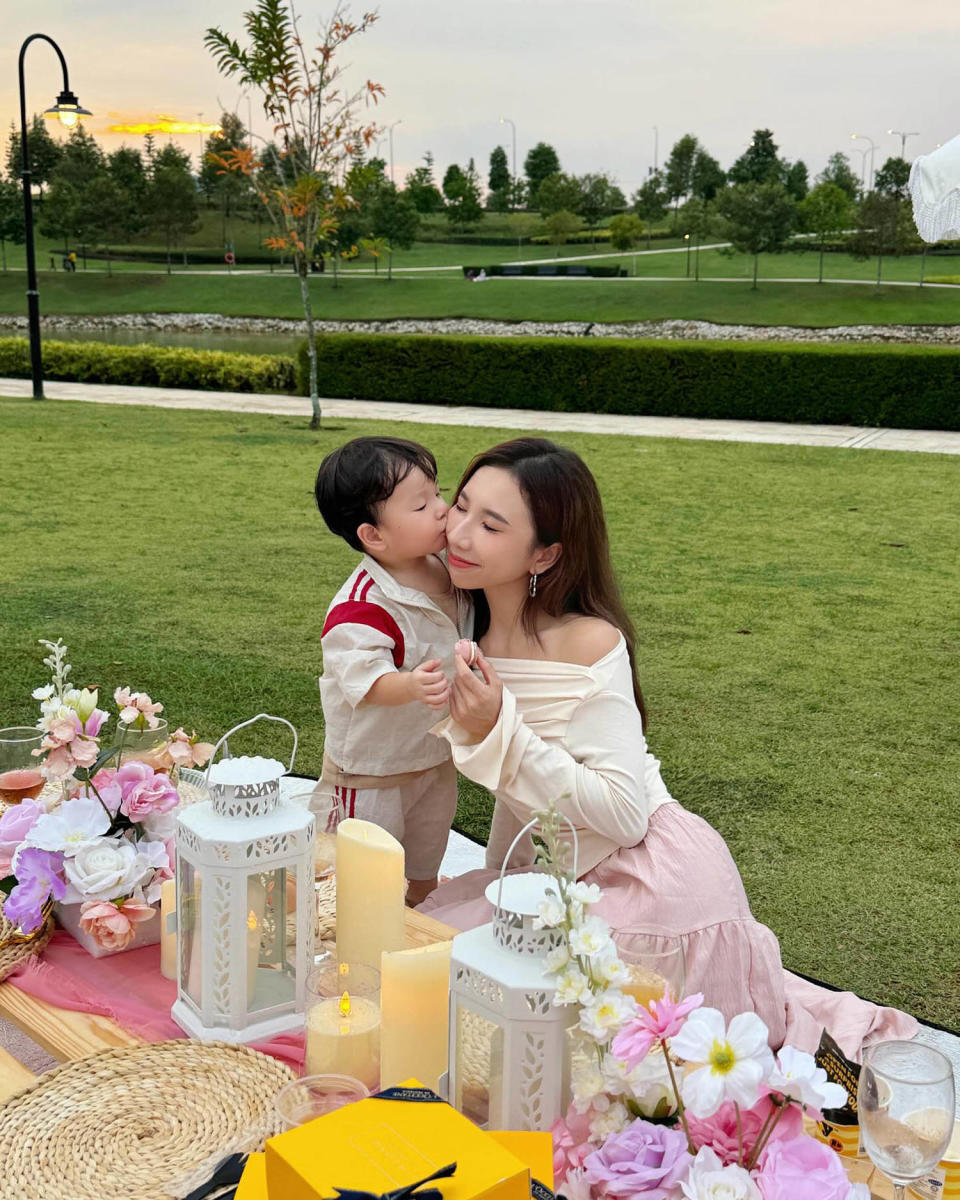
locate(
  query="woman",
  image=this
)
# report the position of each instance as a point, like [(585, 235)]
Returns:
[(554, 712)]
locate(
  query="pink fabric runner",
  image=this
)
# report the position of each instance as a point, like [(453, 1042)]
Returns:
[(127, 987)]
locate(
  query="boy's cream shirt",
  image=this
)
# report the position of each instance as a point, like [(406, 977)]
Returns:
[(373, 626)]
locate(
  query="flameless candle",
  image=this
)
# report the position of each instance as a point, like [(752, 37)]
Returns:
[(343, 1038), (415, 1001), (370, 893), (168, 929)]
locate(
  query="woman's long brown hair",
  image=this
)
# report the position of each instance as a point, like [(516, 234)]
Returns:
[(565, 506)]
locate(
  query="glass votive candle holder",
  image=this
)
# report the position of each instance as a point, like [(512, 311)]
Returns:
[(314, 1095), (343, 1022), (20, 774)]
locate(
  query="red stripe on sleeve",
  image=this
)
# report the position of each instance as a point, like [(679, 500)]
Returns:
[(355, 612), (356, 583), (366, 588)]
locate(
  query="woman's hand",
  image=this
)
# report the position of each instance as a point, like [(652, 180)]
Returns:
[(475, 703)]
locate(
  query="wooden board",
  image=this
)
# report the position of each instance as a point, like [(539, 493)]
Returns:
[(14, 1076)]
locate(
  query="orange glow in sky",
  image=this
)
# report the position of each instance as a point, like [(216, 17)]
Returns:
[(163, 123)]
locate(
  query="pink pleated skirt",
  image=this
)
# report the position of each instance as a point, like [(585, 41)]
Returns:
[(681, 884)]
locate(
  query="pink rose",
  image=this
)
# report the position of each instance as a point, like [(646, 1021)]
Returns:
[(15, 824), (144, 794), (802, 1169), (571, 1143), (111, 923), (719, 1132), (643, 1160)]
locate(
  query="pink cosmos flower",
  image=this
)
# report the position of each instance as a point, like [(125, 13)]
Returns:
[(571, 1144), (662, 1019), (111, 923), (802, 1169), (719, 1132)]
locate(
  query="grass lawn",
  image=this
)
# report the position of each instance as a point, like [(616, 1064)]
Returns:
[(506, 299), (796, 609)]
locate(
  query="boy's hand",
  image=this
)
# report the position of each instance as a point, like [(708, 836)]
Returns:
[(475, 703), (428, 684)]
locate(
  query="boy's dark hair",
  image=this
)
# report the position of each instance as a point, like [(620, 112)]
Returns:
[(356, 479)]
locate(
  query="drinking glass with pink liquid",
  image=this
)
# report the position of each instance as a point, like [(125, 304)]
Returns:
[(20, 774)]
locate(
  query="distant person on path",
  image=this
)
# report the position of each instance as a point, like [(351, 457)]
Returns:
[(73, 260)]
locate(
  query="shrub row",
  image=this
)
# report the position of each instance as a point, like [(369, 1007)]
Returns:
[(152, 366), (905, 387)]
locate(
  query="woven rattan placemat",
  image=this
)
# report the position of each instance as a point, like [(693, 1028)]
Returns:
[(15, 946), (136, 1123)]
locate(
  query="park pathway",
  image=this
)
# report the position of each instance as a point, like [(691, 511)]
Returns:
[(848, 437)]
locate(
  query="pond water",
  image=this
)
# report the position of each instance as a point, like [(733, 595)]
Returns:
[(212, 339)]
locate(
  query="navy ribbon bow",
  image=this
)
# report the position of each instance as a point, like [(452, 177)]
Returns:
[(404, 1193)]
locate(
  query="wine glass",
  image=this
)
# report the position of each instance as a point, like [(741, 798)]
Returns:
[(20, 774), (905, 1103), (657, 965)]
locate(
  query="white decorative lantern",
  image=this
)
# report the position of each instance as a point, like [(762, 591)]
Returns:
[(244, 861), (508, 1043)]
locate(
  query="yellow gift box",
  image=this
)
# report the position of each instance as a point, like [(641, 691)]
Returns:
[(379, 1145), (253, 1181)]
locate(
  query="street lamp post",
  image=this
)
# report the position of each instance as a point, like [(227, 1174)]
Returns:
[(903, 135), (873, 147), (686, 238), (68, 109), (390, 131), (656, 148), (513, 186), (863, 165)]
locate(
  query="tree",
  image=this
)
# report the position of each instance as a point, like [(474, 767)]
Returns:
[(11, 216), (707, 177), (598, 196), (650, 201), (225, 190), (626, 229), (825, 211), (81, 159), (678, 169), (107, 213), (838, 171), (541, 161), (558, 193), (498, 181), (125, 167), (394, 218), (421, 188), (757, 218), (45, 153), (892, 178), (172, 198), (759, 163), (314, 116), (884, 226), (561, 225), (693, 220), (462, 190), (797, 179)]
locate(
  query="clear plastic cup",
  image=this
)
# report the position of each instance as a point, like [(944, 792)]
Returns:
[(314, 1095)]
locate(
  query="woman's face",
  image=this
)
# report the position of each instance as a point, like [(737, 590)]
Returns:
[(491, 540)]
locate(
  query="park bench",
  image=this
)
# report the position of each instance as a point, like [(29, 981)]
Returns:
[(569, 270)]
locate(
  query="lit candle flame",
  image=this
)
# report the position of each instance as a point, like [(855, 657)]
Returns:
[(252, 920), (345, 1009)]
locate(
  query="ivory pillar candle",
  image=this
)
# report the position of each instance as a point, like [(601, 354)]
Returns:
[(168, 929), (343, 1038), (415, 1006), (370, 893)]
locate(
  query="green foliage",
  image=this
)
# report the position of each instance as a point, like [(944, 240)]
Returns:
[(599, 196), (650, 200), (797, 179), (839, 172), (826, 211), (914, 388), (760, 162), (892, 178), (626, 229), (498, 180), (225, 189), (45, 152), (151, 366), (756, 218), (462, 191), (560, 225), (707, 177), (541, 161), (421, 188), (11, 217), (559, 193), (678, 169)]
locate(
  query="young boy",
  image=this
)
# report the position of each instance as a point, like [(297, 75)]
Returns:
[(388, 647)]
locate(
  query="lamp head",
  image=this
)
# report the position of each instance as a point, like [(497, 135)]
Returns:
[(67, 109)]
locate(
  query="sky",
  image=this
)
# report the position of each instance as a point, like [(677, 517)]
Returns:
[(591, 77)]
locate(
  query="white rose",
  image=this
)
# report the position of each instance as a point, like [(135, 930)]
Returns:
[(159, 827), (587, 1084), (551, 913), (605, 1124), (709, 1179), (104, 869)]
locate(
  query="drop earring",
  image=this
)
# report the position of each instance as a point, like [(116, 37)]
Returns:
[(533, 585)]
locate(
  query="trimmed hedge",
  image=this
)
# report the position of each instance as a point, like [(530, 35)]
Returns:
[(905, 387), (152, 366)]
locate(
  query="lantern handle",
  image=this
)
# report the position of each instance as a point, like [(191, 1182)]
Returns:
[(243, 725), (513, 845)]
